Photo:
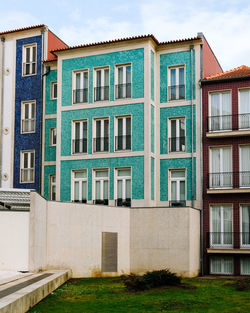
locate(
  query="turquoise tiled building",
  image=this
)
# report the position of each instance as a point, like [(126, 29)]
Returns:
[(122, 122)]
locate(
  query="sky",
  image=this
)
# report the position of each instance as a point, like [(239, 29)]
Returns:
[(225, 23)]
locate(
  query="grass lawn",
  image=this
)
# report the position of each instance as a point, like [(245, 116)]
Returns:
[(108, 295)]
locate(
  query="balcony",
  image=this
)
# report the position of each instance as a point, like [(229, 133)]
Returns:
[(229, 125), (123, 143), (102, 202), (176, 92), (101, 144), (102, 93), (79, 146), (177, 203), (177, 144), (28, 125), (228, 240), (123, 202), (27, 175), (229, 180), (123, 91), (80, 95)]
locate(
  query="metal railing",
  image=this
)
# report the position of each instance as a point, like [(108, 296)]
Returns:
[(228, 122), (123, 91), (123, 142), (177, 144), (28, 125), (176, 92), (99, 201), (29, 68), (27, 175), (228, 240), (80, 95), (102, 93), (123, 202), (101, 144), (79, 145), (177, 203), (229, 180)]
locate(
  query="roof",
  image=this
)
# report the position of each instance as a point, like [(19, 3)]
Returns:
[(150, 36), (14, 199), (22, 29), (238, 72)]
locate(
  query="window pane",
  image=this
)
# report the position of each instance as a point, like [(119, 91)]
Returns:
[(173, 128), (128, 74), (32, 110), (77, 130), (120, 75), (82, 174), (33, 54), (120, 123), (119, 189), (105, 189), (226, 103), (25, 160), (98, 129), (128, 188), (216, 265), (245, 266), (173, 190), (84, 126), (85, 80), (27, 55), (84, 190), (244, 101), (32, 159), (106, 128), (245, 158), (173, 77), (106, 77), (124, 172), (98, 190), (76, 190), (181, 76), (177, 174), (101, 173), (128, 126), (182, 190)]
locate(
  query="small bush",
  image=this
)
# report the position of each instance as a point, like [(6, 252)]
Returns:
[(242, 285), (150, 280)]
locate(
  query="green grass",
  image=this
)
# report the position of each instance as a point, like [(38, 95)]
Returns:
[(108, 295)]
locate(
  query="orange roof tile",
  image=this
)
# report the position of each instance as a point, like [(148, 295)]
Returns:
[(241, 71), (22, 29)]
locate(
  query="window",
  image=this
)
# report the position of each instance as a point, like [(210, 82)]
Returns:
[(177, 135), (176, 89), (244, 109), (220, 175), (54, 90), (27, 166), (80, 186), (81, 82), (244, 166), (80, 135), (245, 225), (123, 181), (123, 78), (123, 138), (101, 180), (221, 225), (52, 183), (245, 265), (102, 84), (220, 117), (28, 117), (178, 188), (101, 140), (221, 265), (52, 137), (29, 60)]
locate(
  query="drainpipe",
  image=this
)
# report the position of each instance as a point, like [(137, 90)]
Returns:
[(1, 112), (191, 47)]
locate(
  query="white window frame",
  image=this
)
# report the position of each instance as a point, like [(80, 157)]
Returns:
[(74, 122), (80, 180), (102, 119), (241, 228), (124, 80), (30, 119), (177, 119), (101, 179), (239, 101), (123, 179), (52, 137), (222, 265), (222, 244), (24, 59), (22, 153), (124, 132), (81, 72), (53, 87), (241, 167), (102, 69), (177, 82), (51, 185), (178, 180)]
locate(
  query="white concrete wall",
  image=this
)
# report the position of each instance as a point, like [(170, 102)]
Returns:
[(14, 241)]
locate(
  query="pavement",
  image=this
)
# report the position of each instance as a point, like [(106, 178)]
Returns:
[(9, 276)]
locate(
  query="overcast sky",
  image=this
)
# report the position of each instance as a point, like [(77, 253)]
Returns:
[(225, 23)]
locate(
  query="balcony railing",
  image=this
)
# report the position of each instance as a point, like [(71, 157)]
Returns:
[(27, 175), (28, 125), (80, 95), (102, 93), (79, 145), (228, 240), (177, 203), (103, 202), (229, 180), (123, 91), (177, 144), (123, 202), (123, 142), (228, 122), (29, 68), (101, 144), (176, 92)]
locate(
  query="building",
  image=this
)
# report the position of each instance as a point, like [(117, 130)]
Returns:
[(226, 172), (21, 69)]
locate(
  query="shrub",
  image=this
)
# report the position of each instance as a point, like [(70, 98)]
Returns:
[(150, 280)]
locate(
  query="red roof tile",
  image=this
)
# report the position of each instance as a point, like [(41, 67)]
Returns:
[(241, 71), (22, 29)]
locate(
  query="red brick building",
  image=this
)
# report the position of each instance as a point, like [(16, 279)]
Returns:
[(226, 172)]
